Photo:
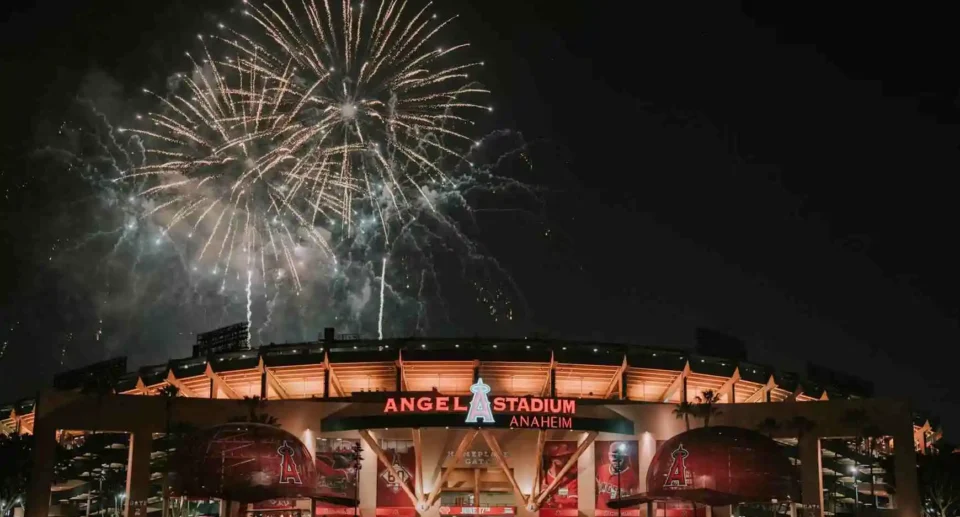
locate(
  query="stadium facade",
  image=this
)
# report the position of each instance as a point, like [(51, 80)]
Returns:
[(469, 427)]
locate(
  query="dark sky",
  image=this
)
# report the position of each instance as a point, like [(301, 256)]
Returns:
[(784, 175)]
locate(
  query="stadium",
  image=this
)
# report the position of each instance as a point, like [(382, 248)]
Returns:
[(439, 427)]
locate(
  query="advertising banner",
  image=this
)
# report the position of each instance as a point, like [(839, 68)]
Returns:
[(616, 464), (563, 501), (389, 492), (336, 473)]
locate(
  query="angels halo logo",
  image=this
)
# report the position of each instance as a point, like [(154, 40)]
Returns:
[(288, 467), (480, 410), (679, 475)]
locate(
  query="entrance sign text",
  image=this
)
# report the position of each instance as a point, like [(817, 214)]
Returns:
[(539, 412)]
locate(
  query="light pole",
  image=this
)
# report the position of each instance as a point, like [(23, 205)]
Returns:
[(618, 455), (357, 457), (856, 489)]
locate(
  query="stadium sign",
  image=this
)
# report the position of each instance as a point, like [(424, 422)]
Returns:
[(524, 412)]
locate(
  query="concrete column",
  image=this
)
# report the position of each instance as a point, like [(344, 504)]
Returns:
[(138, 473), (905, 466), (647, 448), (44, 458), (810, 473)]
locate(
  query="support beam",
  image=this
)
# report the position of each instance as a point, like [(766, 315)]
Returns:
[(418, 466), (173, 381), (438, 486), (541, 441), (905, 467), (502, 461), (25, 428), (334, 380), (795, 395), (729, 388), (220, 385), (811, 464), (591, 436), (141, 388), (545, 389), (676, 385), (401, 373), (387, 463), (476, 487), (41, 475), (138, 474), (274, 382), (617, 379), (761, 394)]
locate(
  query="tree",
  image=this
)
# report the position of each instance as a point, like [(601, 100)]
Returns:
[(706, 406), (768, 427), (939, 477), (683, 412), (16, 453), (254, 404)]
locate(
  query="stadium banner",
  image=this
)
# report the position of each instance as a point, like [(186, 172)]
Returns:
[(336, 473), (563, 501), (390, 494), (616, 462)]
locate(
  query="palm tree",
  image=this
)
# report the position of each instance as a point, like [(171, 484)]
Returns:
[(253, 404), (768, 426), (683, 412), (169, 393), (706, 406)]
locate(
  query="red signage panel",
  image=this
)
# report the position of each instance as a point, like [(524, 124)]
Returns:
[(336, 471), (390, 493), (615, 464), (564, 498)]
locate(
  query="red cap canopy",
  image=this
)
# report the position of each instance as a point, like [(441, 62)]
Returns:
[(718, 466), (243, 462)]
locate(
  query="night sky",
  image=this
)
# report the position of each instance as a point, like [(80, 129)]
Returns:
[(783, 176)]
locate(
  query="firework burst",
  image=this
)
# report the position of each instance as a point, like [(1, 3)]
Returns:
[(310, 127)]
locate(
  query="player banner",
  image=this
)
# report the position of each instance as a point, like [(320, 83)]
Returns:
[(616, 464), (563, 501), (336, 473), (390, 494)]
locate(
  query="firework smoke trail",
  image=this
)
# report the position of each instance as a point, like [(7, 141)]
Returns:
[(249, 303), (383, 276)]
